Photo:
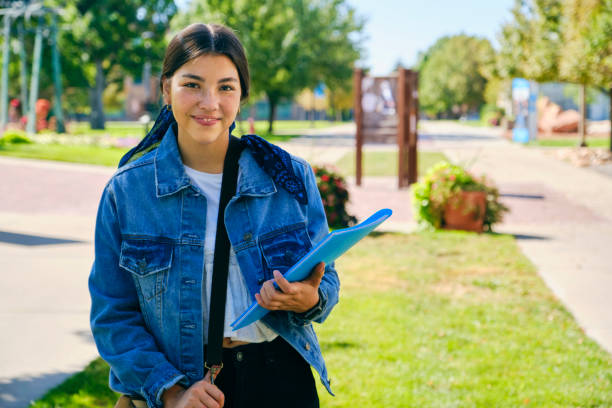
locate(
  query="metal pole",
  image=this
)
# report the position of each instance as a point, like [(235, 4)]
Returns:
[(31, 127), (5, 68), (24, 71), (358, 112), (57, 78)]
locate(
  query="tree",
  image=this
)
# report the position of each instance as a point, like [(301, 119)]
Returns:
[(576, 59), (530, 43), (107, 40), (290, 44), (451, 74), (599, 49)]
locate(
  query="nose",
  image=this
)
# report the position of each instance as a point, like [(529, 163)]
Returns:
[(209, 100)]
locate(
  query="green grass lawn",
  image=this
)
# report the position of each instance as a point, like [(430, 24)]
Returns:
[(376, 163), (91, 154), (106, 156), (442, 319), (571, 142), (135, 129), (114, 129)]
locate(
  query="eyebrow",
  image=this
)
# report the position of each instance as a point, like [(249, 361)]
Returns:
[(199, 78)]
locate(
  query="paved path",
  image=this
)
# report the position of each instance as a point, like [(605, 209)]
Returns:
[(47, 215), (561, 216)]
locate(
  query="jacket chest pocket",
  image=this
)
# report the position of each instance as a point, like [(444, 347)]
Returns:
[(149, 263), (282, 248)]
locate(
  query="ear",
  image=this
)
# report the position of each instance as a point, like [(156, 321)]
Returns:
[(166, 83)]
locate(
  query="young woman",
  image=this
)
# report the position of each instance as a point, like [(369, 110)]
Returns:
[(155, 242)]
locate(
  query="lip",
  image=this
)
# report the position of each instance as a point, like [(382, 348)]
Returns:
[(206, 120)]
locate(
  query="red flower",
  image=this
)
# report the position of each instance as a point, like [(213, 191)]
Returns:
[(325, 178)]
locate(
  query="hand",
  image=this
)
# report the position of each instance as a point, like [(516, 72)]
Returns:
[(295, 296), (200, 394)]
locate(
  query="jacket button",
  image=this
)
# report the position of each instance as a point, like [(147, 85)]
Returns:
[(239, 356), (307, 346), (247, 236)]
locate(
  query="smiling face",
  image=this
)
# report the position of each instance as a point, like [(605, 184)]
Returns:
[(205, 97)]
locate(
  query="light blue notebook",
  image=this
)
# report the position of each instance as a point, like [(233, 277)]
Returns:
[(327, 250)]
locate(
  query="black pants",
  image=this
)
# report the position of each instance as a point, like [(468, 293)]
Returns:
[(270, 374)]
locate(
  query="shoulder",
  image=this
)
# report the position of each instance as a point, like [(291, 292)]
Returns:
[(133, 170), (140, 164)]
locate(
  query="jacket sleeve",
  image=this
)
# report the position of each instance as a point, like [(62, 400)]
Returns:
[(116, 320), (317, 230)]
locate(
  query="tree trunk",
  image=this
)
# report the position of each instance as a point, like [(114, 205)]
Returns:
[(273, 101), (610, 94), (96, 118), (582, 124)]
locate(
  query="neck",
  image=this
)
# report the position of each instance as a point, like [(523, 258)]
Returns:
[(207, 158)]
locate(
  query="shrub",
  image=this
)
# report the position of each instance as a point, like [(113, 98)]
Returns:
[(445, 180), (334, 195), (15, 136)]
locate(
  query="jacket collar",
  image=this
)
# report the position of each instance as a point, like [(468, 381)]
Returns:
[(170, 175)]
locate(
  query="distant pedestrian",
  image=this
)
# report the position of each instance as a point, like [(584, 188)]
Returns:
[(159, 238)]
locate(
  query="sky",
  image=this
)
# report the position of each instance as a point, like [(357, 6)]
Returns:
[(399, 29)]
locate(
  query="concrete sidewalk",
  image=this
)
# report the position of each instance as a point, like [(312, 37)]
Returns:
[(47, 216)]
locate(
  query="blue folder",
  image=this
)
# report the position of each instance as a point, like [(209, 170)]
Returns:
[(327, 250)]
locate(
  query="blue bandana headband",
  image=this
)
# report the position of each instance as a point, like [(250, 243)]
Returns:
[(272, 159)]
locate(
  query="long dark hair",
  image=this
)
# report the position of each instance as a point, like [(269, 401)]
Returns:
[(200, 39)]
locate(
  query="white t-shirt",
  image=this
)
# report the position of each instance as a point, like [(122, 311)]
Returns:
[(238, 298)]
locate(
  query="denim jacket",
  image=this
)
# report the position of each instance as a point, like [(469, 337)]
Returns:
[(146, 282)]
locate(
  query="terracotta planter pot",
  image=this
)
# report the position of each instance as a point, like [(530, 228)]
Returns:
[(466, 211)]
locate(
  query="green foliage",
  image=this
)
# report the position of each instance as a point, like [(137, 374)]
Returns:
[(445, 180), (530, 43), (491, 115), (116, 36), (558, 40), (576, 60), (291, 44), (335, 197), (599, 46), (452, 75), (15, 136)]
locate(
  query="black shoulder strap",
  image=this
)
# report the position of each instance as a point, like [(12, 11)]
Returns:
[(216, 318)]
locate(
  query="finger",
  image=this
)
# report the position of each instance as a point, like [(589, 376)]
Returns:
[(216, 394), (208, 400), (209, 394), (261, 301), (273, 297), (267, 294), (283, 283), (316, 275)]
